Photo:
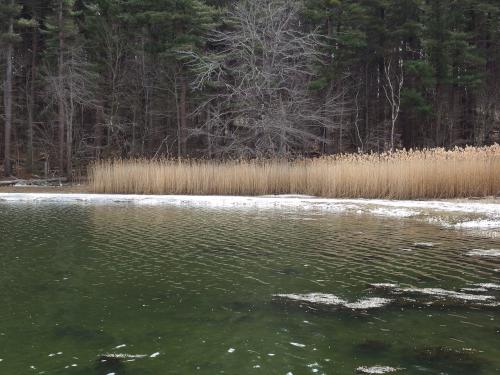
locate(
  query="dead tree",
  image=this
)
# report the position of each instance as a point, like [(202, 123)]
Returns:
[(392, 89), (260, 103), (73, 87)]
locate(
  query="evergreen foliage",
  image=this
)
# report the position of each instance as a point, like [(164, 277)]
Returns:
[(115, 78)]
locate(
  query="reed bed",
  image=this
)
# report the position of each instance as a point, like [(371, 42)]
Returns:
[(412, 174)]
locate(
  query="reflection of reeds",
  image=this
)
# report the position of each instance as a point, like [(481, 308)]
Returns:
[(431, 173)]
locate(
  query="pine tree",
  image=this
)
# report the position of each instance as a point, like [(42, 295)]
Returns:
[(63, 44), (172, 28), (9, 11), (35, 10)]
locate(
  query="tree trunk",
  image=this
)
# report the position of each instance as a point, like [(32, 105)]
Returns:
[(60, 100), (98, 130), (31, 102), (8, 101), (182, 116), (69, 151), (209, 133), (69, 131), (132, 146)]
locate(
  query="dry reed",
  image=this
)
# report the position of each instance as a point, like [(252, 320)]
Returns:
[(413, 174)]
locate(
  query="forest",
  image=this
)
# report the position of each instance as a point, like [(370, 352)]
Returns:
[(247, 79)]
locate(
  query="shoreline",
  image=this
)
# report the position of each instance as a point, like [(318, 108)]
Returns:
[(82, 193), (85, 189), (477, 217)]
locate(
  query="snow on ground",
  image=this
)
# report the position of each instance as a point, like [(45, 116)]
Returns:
[(459, 214)]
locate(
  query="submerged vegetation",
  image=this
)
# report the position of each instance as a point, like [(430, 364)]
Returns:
[(429, 173)]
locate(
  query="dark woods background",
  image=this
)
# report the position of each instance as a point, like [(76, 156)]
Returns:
[(92, 79)]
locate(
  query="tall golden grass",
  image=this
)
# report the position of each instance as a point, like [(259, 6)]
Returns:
[(413, 174)]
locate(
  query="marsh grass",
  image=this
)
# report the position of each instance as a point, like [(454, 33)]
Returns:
[(430, 173)]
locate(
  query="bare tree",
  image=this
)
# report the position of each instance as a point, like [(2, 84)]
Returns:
[(260, 103), (73, 86), (392, 89)]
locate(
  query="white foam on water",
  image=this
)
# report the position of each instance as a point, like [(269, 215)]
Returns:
[(120, 346), (376, 369), (319, 298), (125, 355), (333, 300), (484, 253), (394, 212), (447, 293), (479, 224), (154, 355), (368, 303), (384, 285), (488, 286), (424, 244), (297, 344), (231, 350), (436, 292), (473, 290)]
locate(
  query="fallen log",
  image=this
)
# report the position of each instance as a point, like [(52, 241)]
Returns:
[(36, 182)]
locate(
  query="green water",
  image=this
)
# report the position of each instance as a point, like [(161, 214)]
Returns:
[(195, 285)]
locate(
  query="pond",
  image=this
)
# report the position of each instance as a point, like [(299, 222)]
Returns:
[(148, 289)]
